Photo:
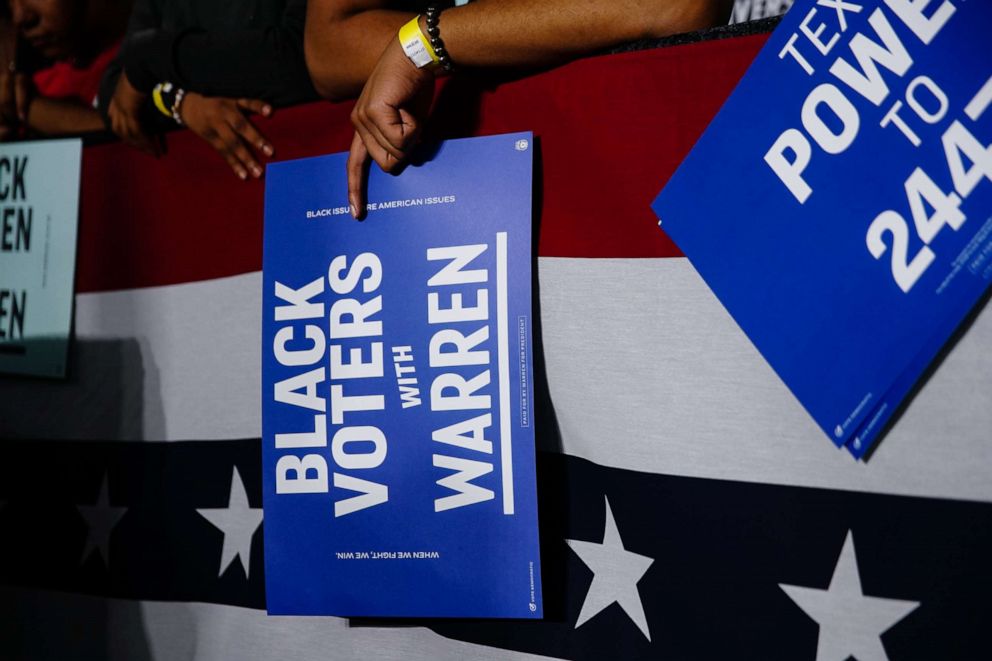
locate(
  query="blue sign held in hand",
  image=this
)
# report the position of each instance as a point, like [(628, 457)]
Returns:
[(397, 388)]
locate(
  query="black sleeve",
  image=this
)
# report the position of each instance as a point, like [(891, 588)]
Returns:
[(145, 17), (266, 63)]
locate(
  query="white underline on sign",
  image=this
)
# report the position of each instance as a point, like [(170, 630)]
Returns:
[(502, 341), (980, 102)]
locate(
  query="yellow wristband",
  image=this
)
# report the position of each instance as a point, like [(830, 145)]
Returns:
[(159, 102), (416, 45)]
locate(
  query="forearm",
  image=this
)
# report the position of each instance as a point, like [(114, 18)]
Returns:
[(266, 64), (342, 44), (259, 64), (344, 38), (52, 117), (517, 33)]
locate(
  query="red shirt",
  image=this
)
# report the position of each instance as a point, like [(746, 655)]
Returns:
[(62, 80)]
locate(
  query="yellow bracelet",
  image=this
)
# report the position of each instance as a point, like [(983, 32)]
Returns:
[(160, 102), (416, 45)]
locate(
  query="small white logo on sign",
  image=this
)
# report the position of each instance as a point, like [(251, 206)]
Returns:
[(522, 145)]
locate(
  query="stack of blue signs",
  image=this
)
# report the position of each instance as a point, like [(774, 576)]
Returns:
[(398, 437), (848, 229)]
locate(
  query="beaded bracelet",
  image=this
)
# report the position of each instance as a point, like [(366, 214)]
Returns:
[(433, 16), (166, 98), (180, 93)]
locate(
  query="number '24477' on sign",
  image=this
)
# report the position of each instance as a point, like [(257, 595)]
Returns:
[(960, 146)]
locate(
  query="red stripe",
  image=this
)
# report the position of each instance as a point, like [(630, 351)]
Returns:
[(612, 131)]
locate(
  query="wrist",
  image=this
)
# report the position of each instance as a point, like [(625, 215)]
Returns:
[(128, 95)]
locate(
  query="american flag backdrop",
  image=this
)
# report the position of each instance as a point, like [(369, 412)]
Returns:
[(689, 507)]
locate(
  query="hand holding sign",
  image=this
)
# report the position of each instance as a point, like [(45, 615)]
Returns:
[(388, 119)]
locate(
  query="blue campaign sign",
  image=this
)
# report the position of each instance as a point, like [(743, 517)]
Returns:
[(840, 204), (397, 388)]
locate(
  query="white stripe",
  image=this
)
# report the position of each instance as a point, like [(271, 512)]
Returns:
[(120, 629), (162, 363), (646, 370), (502, 348)]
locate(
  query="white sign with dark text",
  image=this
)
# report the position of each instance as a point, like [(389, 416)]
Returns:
[(39, 207)]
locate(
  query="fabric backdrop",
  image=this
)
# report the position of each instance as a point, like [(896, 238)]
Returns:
[(689, 507)]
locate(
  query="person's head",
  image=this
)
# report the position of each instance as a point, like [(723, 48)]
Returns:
[(67, 29)]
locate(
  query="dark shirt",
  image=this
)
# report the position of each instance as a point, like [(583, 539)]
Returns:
[(229, 48)]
